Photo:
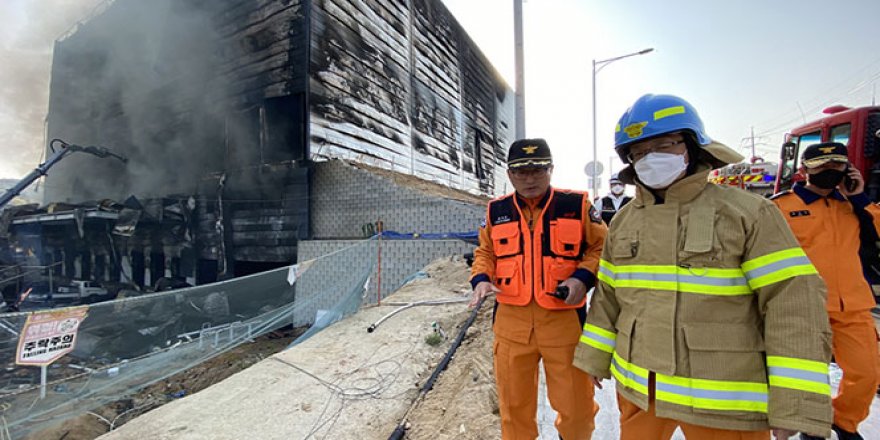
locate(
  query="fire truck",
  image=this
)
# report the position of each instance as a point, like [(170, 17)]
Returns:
[(756, 176), (857, 128)]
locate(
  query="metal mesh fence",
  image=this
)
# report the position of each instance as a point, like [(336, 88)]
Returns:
[(127, 344)]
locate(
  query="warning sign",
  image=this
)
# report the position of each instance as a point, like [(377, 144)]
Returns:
[(47, 336)]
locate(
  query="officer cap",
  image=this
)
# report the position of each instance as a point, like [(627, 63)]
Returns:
[(819, 154), (529, 153)]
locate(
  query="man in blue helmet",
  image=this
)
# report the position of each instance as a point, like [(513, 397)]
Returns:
[(707, 312)]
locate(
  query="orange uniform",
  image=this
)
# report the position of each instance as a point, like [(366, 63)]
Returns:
[(828, 230), (526, 248)]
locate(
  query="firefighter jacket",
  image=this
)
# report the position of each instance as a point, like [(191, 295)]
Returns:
[(528, 247), (709, 291), (828, 229)]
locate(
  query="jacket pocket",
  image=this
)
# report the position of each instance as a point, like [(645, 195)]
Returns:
[(506, 239), (507, 276), (626, 246), (727, 353), (565, 237), (698, 243), (625, 332)]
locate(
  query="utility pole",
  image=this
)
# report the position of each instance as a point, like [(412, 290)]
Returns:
[(520, 109), (753, 144)]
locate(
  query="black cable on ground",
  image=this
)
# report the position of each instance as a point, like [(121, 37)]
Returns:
[(400, 431)]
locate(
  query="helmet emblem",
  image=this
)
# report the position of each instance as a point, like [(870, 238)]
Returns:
[(635, 130)]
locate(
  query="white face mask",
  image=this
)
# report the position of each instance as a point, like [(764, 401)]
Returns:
[(616, 189), (659, 170)]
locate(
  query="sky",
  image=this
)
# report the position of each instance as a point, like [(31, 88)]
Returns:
[(767, 64)]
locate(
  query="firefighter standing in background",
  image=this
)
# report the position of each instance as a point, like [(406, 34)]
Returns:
[(707, 312), (534, 241), (824, 215), (615, 200)]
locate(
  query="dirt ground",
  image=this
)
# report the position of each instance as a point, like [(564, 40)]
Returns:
[(463, 403), (88, 426)]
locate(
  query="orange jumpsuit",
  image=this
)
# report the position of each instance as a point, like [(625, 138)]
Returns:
[(828, 230), (549, 330)]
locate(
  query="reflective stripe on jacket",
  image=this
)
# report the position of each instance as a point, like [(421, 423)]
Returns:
[(710, 291)]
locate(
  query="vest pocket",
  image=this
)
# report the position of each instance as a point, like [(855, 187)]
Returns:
[(625, 326), (505, 239), (506, 276), (565, 237), (557, 270)]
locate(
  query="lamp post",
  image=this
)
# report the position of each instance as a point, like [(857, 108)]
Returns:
[(597, 66)]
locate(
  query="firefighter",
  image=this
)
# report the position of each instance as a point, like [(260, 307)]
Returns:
[(536, 242), (615, 199), (707, 312), (824, 214)]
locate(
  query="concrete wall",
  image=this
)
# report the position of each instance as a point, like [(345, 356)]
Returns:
[(345, 198), (319, 285)]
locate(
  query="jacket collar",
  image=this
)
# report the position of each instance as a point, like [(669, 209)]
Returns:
[(800, 188), (682, 191)]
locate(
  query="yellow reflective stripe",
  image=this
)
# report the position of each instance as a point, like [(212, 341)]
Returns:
[(800, 364), (684, 287), (608, 280), (600, 331), (800, 385), (772, 258), (781, 275), (596, 344), (669, 111), (696, 393), (617, 128)]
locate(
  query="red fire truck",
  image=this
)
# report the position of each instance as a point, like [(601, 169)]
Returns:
[(857, 128)]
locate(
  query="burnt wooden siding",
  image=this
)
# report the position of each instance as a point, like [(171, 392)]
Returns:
[(399, 85)]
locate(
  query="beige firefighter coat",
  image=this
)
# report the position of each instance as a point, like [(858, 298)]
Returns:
[(710, 292)]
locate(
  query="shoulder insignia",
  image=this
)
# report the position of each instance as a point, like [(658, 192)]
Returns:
[(595, 215)]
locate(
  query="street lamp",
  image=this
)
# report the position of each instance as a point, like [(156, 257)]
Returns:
[(597, 66)]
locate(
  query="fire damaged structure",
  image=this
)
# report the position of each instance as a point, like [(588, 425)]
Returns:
[(229, 111)]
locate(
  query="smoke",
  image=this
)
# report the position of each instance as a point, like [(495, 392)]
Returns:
[(28, 30), (144, 79)]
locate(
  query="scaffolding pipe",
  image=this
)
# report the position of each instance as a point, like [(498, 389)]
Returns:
[(400, 431)]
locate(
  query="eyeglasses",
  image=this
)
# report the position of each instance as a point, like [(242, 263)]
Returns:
[(523, 173), (659, 148)]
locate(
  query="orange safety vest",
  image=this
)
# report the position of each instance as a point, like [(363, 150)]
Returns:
[(532, 263)]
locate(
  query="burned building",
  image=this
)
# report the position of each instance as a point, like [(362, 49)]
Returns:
[(231, 114)]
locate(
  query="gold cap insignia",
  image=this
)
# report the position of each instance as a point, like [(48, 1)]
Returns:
[(826, 150), (530, 149)]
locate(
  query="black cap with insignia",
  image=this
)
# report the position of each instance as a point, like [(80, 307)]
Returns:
[(820, 154), (529, 153)]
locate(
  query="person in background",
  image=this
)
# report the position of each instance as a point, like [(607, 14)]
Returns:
[(707, 312), (615, 199), (539, 253), (827, 214)]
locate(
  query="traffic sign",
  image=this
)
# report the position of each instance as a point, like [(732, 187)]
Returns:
[(594, 168)]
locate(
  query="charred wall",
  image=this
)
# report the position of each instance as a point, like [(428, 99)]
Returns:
[(184, 88), (399, 85)]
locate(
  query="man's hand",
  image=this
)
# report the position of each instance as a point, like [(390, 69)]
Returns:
[(576, 290), (483, 289), (782, 434), (854, 175)]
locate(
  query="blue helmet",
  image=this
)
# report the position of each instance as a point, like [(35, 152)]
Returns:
[(655, 115)]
